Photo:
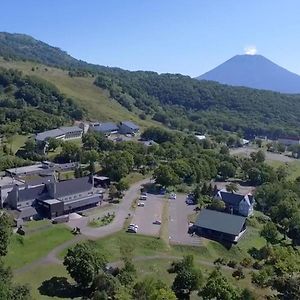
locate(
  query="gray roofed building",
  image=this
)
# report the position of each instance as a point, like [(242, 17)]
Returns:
[(237, 203), (220, 225), (54, 133), (64, 133), (68, 129), (107, 127), (74, 186), (74, 204), (128, 127)]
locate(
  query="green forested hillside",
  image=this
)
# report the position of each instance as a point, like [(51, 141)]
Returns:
[(30, 104), (177, 101)]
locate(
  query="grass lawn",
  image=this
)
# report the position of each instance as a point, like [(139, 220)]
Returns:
[(18, 141), (293, 168), (34, 278), (135, 177), (25, 249)]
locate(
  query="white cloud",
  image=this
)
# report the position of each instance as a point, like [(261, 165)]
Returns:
[(250, 50)]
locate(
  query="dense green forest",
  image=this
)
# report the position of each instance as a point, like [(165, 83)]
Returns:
[(177, 101), (29, 104)]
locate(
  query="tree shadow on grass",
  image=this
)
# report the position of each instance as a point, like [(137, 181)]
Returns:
[(59, 287)]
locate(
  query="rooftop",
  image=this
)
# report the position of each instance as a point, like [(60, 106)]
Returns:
[(73, 186), (7, 180), (105, 127), (219, 221), (233, 198), (26, 169), (130, 125), (54, 133)]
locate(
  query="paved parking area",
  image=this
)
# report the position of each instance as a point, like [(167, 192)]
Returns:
[(178, 223), (145, 216)]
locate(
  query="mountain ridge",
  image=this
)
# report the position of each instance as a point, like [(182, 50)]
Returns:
[(174, 100), (254, 71)]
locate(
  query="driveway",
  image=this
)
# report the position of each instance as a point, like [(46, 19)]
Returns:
[(178, 223), (121, 210), (145, 216)]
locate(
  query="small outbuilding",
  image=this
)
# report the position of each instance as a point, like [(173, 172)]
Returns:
[(220, 226)]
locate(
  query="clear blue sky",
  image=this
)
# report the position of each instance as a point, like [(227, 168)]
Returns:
[(187, 36)]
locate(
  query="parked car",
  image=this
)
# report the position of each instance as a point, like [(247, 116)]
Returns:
[(144, 194), (131, 230), (134, 226), (157, 222), (141, 204), (172, 196), (189, 201), (142, 197)]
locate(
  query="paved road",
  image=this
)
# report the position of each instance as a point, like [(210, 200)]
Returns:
[(269, 155), (122, 210), (178, 224)]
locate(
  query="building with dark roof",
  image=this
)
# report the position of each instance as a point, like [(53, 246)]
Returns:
[(237, 203), (54, 199), (128, 127), (62, 133), (106, 128), (220, 226)]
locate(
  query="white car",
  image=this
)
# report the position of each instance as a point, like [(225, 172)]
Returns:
[(172, 196), (141, 204), (143, 197), (134, 226)]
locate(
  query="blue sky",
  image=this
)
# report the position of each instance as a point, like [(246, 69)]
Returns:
[(187, 36)]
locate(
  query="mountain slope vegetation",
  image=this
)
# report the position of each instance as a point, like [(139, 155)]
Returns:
[(174, 100), (30, 104)]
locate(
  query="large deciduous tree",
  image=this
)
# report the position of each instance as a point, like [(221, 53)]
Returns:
[(217, 287), (84, 263)]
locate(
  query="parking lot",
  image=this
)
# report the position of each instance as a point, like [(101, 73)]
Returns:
[(178, 222), (145, 216)]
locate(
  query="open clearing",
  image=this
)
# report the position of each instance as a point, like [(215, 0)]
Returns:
[(26, 249)]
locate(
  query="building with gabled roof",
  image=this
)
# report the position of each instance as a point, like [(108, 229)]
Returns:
[(220, 226), (237, 203)]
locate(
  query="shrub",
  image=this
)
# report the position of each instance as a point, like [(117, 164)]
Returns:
[(232, 264)]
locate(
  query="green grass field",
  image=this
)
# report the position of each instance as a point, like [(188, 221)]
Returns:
[(26, 249), (157, 265), (293, 168)]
